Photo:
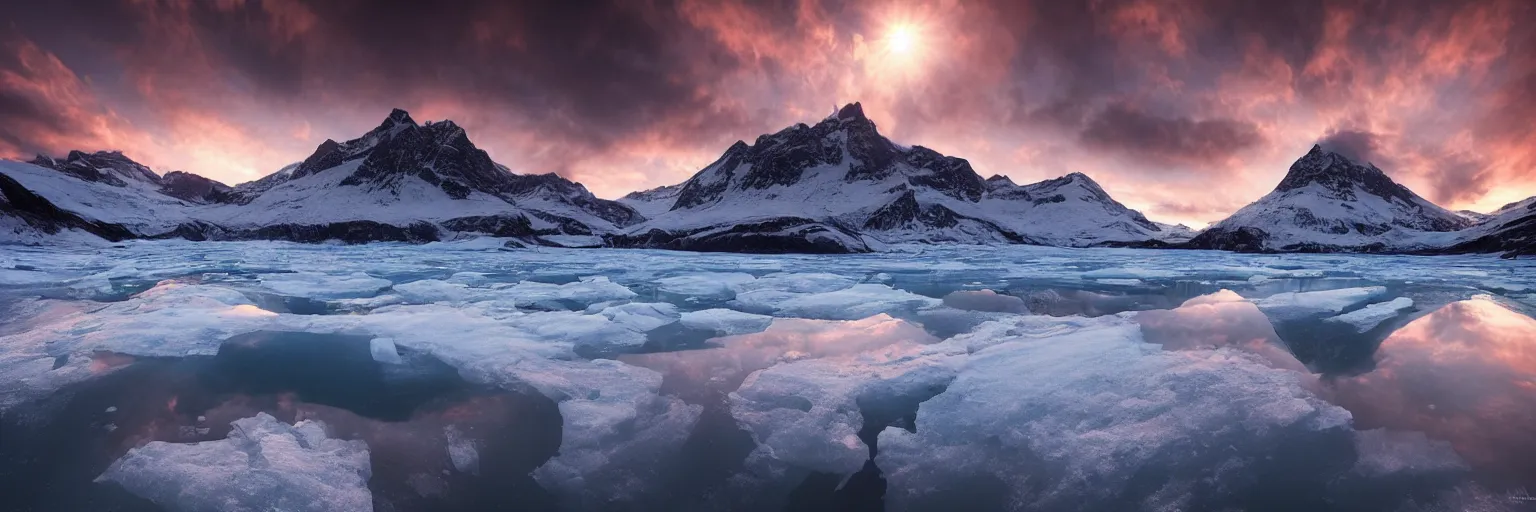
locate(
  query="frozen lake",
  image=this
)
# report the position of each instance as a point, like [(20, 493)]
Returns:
[(463, 376)]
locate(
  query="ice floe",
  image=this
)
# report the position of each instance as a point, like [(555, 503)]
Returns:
[(316, 285), (1069, 420), (725, 321), (264, 464), (1294, 305), (1367, 318), (708, 284)]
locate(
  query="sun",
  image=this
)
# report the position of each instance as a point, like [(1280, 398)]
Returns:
[(902, 39)]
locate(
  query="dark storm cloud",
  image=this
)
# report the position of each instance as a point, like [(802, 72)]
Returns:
[(1176, 140), (1358, 145), (634, 94), (598, 69)]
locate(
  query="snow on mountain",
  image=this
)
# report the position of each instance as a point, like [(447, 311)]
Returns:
[(109, 167), (92, 199), (1328, 203), (1510, 230), (400, 181), (840, 186), (653, 202), (402, 173), (837, 186)]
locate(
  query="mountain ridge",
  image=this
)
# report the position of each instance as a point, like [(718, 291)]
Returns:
[(1329, 203), (842, 176), (835, 186)]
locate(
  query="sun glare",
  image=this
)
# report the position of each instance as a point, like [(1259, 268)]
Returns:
[(902, 39)]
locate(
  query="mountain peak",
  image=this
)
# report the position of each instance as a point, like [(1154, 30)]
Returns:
[(399, 116), (1080, 177), (1341, 175), (851, 112)]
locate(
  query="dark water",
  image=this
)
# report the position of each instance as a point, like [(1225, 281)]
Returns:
[(1457, 370), (54, 449)]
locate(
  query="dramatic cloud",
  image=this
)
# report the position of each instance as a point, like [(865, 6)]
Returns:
[(1174, 141), (1357, 145), (1154, 98)]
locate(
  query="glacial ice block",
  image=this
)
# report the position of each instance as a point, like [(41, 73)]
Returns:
[(263, 465), (1367, 318), (725, 321), (1295, 305), (1069, 421)]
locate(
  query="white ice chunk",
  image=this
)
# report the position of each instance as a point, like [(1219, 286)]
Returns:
[(1295, 305), (642, 316), (708, 284), (725, 321), (857, 301), (470, 278), (92, 286), (1135, 273), (1068, 422), (807, 414), (583, 330), (264, 464), (316, 285), (589, 290), (428, 291), (797, 283), (168, 320), (383, 350), (618, 435), (1367, 318)]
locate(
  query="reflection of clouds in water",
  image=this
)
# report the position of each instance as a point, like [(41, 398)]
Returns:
[(722, 369), (1465, 373), (1221, 319)]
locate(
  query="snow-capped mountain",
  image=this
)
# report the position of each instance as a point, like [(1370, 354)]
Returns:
[(403, 174), (400, 181), (109, 167), (1510, 230), (837, 186), (840, 186), (653, 202), (106, 194), (1328, 203)]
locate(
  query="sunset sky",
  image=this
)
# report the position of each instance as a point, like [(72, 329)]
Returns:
[(1183, 109)]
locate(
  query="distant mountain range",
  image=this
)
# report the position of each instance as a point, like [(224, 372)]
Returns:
[(837, 186)]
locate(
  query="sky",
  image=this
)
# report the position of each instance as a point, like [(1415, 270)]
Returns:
[(1184, 109)]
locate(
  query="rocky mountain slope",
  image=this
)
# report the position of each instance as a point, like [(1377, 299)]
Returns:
[(1328, 203), (400, 181), (836, 186), (1511, 230), (839, 186)]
